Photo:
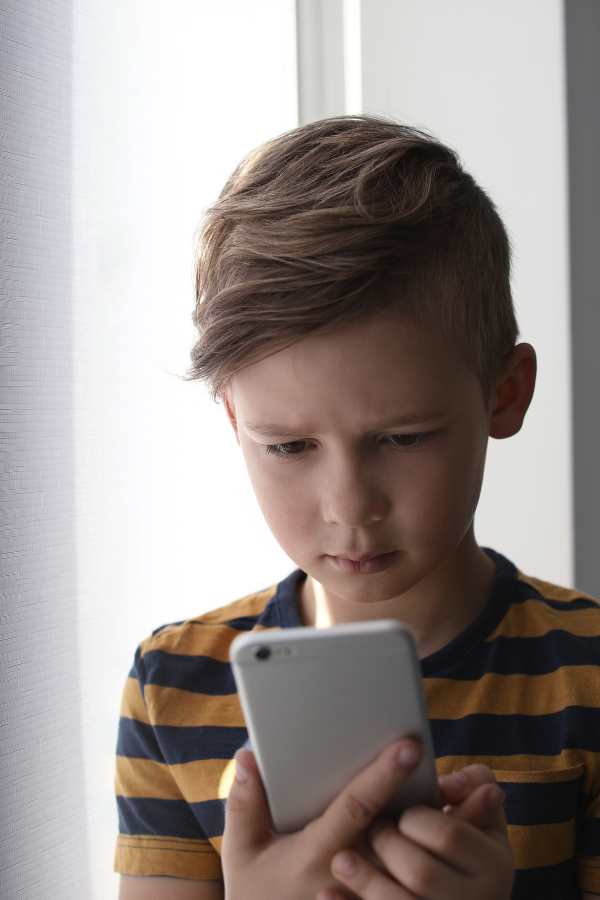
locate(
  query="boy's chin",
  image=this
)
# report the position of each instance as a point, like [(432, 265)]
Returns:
[(366, 589)]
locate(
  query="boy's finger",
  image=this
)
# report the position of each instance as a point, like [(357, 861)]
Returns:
[(247, 819), (456, 787), (462, 846), (364, 879), (361, 800), (483, 808), (432, 855)]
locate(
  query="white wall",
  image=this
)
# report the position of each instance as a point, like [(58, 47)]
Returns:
[(488, 78)]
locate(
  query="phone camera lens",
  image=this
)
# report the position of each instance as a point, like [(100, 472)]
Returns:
[(262, 652)]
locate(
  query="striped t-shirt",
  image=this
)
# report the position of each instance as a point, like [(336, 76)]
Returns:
[(518, 690)]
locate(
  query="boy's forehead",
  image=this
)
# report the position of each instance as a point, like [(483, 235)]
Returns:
[(375, 345), (379, 370)]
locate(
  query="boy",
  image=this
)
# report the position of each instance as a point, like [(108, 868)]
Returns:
[(355, 318)]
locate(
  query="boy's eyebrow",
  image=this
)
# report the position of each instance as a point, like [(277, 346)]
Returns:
[(268, 429), (272, 430)]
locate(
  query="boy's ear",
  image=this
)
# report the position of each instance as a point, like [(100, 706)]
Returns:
[(231, 413), (513, 392)]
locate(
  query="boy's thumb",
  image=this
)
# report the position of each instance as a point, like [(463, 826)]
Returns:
[(247, 817)]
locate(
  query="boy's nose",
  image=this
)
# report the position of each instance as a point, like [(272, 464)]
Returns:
[(351, 498)]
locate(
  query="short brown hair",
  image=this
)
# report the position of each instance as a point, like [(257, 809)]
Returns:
[(336, 221)]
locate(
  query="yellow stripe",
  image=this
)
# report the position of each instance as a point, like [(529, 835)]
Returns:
[(160, 842), (250, 605), (542, 845), (226, 780), (540, 776), (187, 638), (204, 779), (172, 706), (509, 766), (147, 855), (132, 702), (193, 640), (553, 591), (528, 695), (145, 778), (589, 873), (533, 618)]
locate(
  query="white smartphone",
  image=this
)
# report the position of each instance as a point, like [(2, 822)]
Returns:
[(320, 704)]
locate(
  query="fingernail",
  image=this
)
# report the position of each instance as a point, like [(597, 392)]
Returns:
[(344, 863), (496, 798), (241, 774), (409, 755)]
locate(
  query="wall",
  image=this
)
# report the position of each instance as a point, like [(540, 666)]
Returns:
[(489, 79), (582, 23)]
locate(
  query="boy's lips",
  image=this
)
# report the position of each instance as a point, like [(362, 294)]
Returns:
[(363, 563)]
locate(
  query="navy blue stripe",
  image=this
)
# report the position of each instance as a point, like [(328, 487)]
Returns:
[(243, 623), (490, 617), (526, 656), (565, 606), (137, 740), (198, 674), (486, 734), (541, 804), (583, 803), (175, 745), (588, 842), (167, 818), (275, 617), (282, 609), (212, 815), (558, 882), (182, 745)]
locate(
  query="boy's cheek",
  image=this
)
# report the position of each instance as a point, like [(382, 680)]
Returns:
[(431, 505)]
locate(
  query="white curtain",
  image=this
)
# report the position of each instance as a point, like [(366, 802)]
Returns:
[(124, 499)]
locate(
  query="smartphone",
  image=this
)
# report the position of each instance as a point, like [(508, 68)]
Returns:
[(320, 704)]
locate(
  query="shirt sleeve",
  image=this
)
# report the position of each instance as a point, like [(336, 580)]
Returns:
[(159, 833)]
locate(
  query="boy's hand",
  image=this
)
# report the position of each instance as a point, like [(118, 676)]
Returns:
[(461, 853), (259, 865)]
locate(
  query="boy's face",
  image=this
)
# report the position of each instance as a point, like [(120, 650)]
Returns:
[(366, 450)]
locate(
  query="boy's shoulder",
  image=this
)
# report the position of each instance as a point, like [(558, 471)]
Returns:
[(539, 607), (211, 632), (556, 593)]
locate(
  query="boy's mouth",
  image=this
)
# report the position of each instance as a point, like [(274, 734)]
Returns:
[(369, 566)]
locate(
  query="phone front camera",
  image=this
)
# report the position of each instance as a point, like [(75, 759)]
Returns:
[(262, 652)]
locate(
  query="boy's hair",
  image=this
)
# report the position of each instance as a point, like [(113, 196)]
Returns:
[(336, 221)]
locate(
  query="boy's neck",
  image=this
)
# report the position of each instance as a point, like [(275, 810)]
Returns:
[(438, 609)]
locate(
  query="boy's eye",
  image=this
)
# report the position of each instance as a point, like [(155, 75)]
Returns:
[(291, 448), (410, 441)]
